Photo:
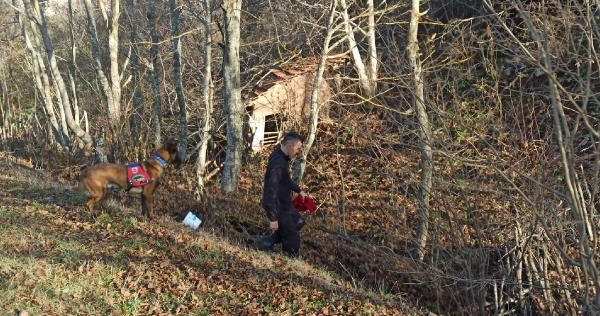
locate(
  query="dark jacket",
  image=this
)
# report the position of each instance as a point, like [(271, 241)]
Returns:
[(278, 186)]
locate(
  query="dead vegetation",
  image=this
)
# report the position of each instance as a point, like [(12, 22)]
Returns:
[(57, 260), (512, 93)]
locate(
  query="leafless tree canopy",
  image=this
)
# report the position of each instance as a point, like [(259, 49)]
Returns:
[(465, 132)]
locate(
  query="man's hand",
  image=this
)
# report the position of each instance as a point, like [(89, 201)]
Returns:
[(274, 226), (302, 194)]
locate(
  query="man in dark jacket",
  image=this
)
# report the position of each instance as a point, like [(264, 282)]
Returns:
[(284, 219)]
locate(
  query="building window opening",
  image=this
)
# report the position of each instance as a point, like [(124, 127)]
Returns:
[(272, 129)]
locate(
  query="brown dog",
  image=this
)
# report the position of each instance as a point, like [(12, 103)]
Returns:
[(98, 178)]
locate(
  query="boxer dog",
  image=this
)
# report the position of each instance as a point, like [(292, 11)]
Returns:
[(96, 179)]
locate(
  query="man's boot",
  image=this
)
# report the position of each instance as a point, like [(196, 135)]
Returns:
[(267, 243), (264, 244)]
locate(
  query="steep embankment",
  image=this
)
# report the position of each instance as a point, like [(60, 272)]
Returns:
[(57, 260)]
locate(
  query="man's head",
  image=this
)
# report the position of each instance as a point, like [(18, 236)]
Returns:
[(291, 144)]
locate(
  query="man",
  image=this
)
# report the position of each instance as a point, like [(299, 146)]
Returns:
[(284, 219)]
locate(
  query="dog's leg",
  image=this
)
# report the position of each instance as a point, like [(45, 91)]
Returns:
[(92, 202), (147, 206), (93, 191), (147, 197)]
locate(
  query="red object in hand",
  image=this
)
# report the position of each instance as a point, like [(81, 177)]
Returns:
[(304, 204)]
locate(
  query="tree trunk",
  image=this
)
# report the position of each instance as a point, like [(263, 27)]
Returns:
[(111, 92), (103, 83), (424, 131), (38, 14), (233, 108), (4, 102), (41, 80), (61, 109), (183, 130), (73, 63), (114, 108), (372, 71), (207, 98), (155, 83), (363, 79), (138, 101), (300, 163), (574, 182)]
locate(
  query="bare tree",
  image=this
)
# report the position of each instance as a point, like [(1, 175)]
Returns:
[(4, 104), (315, 106), (154, 79), (95, 47), (36, 14), (207, 98), (111, 91), (114, 108), (367, 80), (233, 107), (41, 80), (6, 112), (555, 38), (73, 62), (138, 102), (373, 61), (424, 130), (175, 39), (576, 183)]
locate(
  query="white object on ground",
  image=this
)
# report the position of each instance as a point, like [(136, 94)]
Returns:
[(192, 221)]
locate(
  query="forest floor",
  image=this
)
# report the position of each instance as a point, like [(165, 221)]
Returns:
[(55, 259)]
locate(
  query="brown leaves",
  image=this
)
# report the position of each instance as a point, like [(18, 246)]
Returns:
[(128, 265)]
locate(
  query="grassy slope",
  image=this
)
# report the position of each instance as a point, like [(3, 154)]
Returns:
[(56, 260)]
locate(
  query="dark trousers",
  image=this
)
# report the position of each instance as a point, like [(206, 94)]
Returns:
[(290, 224), (287, 234)]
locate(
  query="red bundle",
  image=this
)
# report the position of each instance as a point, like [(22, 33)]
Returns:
[(304, 204)]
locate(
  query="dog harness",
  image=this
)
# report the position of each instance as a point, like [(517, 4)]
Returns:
[(163, 163), (137, 176)]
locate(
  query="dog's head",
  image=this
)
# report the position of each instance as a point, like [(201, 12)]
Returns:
[(172, 148), (169, 152)]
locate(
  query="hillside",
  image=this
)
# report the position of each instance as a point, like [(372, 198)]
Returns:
[(478, 196), (57, 260)]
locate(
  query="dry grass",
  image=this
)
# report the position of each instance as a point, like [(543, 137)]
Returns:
[(57, 260)]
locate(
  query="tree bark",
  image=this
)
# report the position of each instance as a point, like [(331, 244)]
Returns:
[(183, 130), (138, 99), (103, 83), (359, 66), (207, 98), (38, 16), (300, 163), (233, 108), (155, 83), (573, 182), (4, 102), (372, 70), (424, 131), (41, 80), (111, 91), (73, 63), (114, 108)]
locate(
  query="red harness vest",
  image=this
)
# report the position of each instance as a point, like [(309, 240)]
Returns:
[(137, 176)]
